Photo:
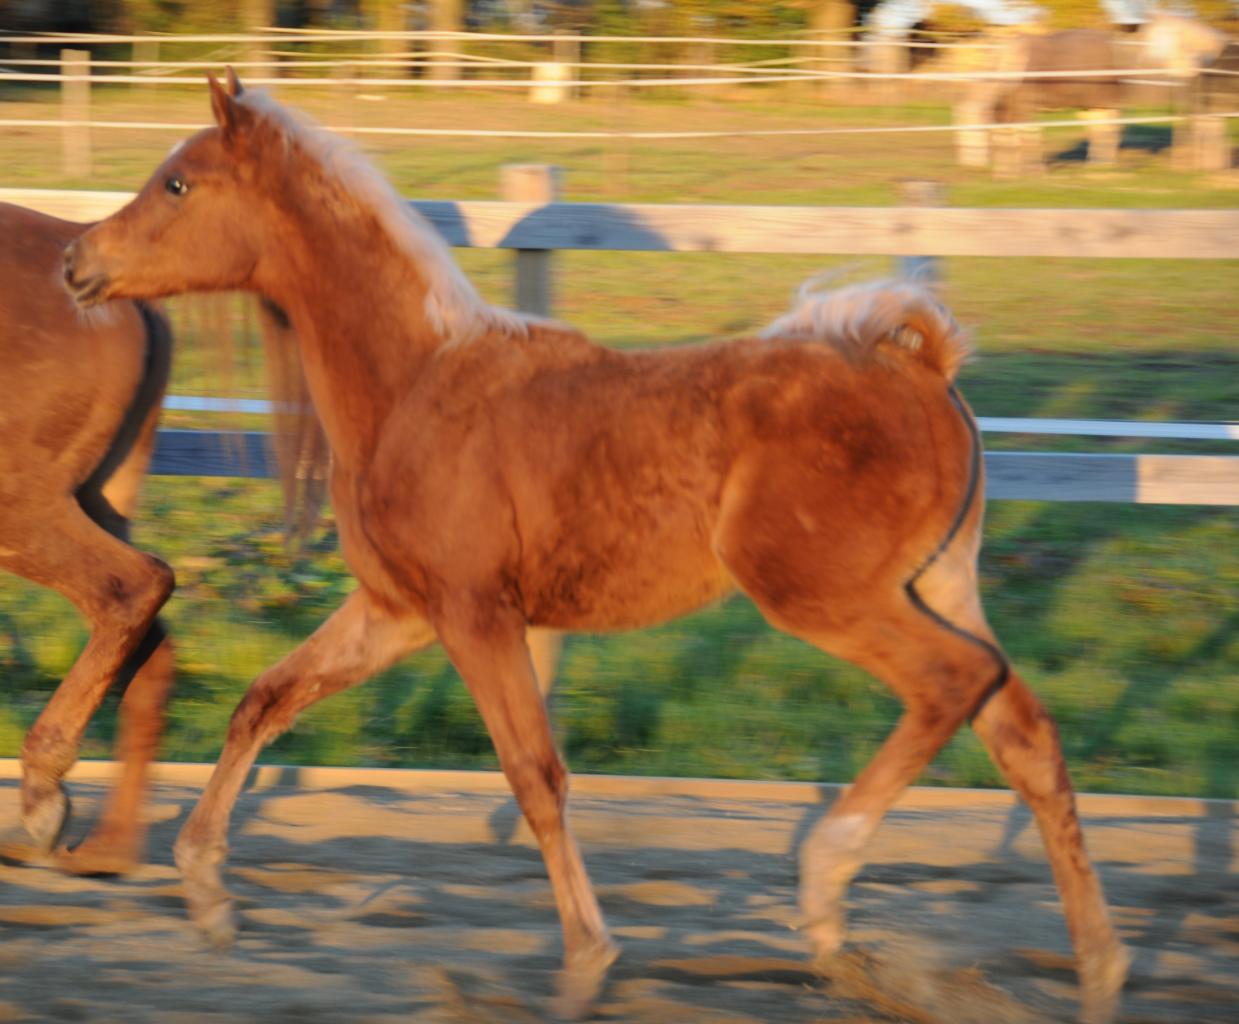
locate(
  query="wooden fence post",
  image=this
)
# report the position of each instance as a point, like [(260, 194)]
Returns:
[(1103, 139), (75, 111), (445, 16), (921, 192), (145, 58), (531, 183)]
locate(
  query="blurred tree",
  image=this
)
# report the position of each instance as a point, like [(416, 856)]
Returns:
[(59, 15), (954, 17), (1075, 14)]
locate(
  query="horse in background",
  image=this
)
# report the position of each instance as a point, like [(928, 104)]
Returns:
[(1038, 67), (494, 473), (81, 398)]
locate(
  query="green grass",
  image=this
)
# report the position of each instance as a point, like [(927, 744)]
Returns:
[(1124, 618)]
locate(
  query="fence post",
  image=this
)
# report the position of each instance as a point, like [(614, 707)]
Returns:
[(256, 15), (445, 16), (1103, 139), (75, 107), (921, 192), (145, 58), (531, 183)]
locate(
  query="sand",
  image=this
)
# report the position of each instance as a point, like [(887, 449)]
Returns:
[(374, 904)]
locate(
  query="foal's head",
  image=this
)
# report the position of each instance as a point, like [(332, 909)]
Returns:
[(197, 225)]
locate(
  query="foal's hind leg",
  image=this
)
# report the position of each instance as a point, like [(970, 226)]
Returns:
[(936, 652), (119, 591), (940, 676), (1023, 741)]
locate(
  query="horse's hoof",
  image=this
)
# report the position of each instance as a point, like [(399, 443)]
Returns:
[(1101, 983), (216, 924), (102, 853), (580, 982), (45, 815), (206, 899), (826, 934), (16, 847)]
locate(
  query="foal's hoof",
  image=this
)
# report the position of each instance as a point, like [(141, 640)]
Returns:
[(1101, 983), (206, 899), (826, 933), (45, 814), (216, 923), (580, 981), (103, 852)]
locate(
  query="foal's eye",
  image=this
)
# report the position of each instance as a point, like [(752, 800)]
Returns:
[(176, 186)]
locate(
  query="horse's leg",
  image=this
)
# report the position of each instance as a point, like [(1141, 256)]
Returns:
[(490, 653), (545, 646), (1023, 741), (359, 639), (119, 591), (935, 650), (940, 676), (117, 842)]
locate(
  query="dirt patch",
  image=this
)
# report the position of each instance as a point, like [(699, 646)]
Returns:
[(375, 905)]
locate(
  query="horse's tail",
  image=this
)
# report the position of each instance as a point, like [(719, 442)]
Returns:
[(861, 320)]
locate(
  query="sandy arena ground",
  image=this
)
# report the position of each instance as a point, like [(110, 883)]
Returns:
[(369, 903)]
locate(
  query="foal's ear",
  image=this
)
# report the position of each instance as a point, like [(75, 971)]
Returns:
[(230, 115)]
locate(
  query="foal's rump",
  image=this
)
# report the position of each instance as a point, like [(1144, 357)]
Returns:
[(70, 376), (833, 449)]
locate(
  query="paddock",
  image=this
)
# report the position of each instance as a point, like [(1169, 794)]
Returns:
[(488, 994)]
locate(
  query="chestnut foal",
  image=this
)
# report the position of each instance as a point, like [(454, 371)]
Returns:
[(494, 472)]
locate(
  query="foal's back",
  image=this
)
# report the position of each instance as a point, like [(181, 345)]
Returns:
[(596, 480)]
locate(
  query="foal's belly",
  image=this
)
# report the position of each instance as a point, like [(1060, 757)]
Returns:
[(594, 583)]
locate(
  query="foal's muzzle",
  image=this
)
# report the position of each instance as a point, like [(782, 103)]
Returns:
[(85, 286)]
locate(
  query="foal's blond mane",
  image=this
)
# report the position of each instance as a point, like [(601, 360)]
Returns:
[(453, 306)]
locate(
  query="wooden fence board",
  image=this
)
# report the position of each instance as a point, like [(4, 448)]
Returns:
[(855, 230), (1034, 476)]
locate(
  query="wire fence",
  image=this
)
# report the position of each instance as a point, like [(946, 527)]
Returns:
[(268, 58)]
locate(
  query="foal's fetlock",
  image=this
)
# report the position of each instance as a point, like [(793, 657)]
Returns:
[(581, 979)]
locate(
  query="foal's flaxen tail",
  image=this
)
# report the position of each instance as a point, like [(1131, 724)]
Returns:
[(860, 319)]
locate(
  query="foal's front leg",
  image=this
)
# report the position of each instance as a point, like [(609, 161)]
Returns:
[(360, 639), (488, 649)]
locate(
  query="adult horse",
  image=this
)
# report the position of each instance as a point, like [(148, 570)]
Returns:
[(81, 400), (1050, 71), (494, 472)]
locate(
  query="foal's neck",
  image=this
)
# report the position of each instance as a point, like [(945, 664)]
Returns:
[(358, 306)]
